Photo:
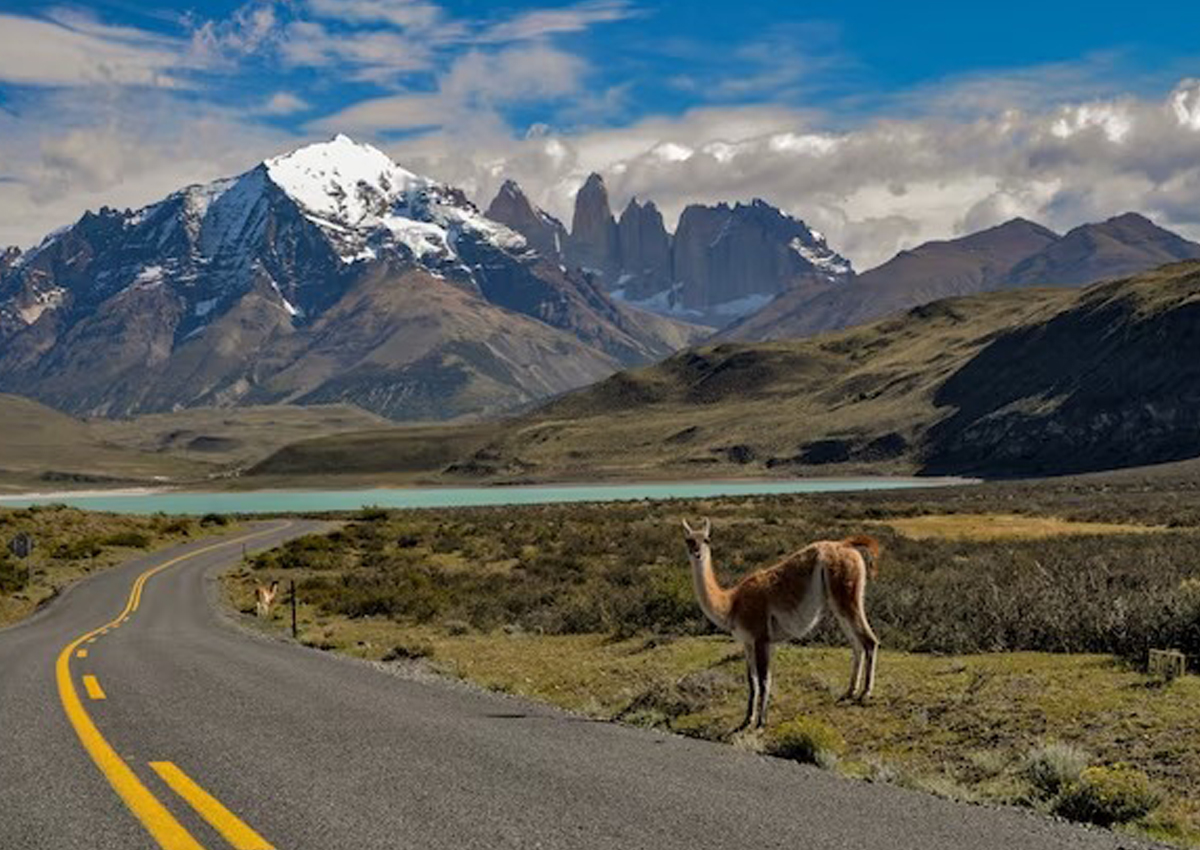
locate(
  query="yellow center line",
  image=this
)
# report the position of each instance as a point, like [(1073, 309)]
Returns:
[(81, 653), (232, 828), (92, 686), (160, 823)]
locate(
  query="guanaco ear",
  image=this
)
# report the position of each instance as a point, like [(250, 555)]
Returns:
[(687, 527), (707, 527)]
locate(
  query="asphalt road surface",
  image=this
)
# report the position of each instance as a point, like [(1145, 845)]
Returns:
[(179, 730)]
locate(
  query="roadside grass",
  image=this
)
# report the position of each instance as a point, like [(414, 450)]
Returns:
[(999, 526), (70, 544)]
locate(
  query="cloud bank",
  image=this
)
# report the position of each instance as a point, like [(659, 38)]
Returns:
[(92, 113)]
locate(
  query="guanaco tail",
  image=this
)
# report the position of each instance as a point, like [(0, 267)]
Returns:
[(786, 600)]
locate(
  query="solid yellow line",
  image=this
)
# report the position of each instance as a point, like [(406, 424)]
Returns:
[(81, 653), (231, 827), (160, 823), (92, 686)]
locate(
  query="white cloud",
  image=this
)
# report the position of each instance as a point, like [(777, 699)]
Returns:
[(405, 14), (75, 51), (886, 185), (539, 23), (285, 103), (474, 86)]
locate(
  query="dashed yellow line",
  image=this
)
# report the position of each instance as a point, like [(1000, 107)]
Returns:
[(160, 823), (81, 653), (92, 686), (231, 827)]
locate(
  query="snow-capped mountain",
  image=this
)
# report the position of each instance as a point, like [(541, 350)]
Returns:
[(326, 273)]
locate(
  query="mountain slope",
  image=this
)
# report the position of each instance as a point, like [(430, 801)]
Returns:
[(245, 290), (1035, 381), (975, 263), (1018, 253), (1122, 246)]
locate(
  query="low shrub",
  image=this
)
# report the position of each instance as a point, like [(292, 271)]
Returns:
[(1053, 767), (76, 550), (127, 539), (408, 652), (13, 575), (213, 519), (807, 740), (1108, 795)]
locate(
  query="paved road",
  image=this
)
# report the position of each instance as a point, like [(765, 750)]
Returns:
[(209, 738)]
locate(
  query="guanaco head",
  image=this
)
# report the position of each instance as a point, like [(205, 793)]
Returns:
[(697, 539)]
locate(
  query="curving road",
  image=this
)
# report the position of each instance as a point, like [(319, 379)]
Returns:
[(177, 730)]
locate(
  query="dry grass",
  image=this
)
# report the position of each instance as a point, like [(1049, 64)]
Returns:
[(70, 545), (987, 527)]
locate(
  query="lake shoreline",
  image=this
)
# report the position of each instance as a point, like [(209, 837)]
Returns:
[(180, 500)]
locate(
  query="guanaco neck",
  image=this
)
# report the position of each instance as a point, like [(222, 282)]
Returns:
[(714, 599)]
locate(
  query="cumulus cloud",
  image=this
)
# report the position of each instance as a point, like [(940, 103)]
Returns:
[(877, 188), (110, 123)]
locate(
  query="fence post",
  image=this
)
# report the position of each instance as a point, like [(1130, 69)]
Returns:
[(294, 609)]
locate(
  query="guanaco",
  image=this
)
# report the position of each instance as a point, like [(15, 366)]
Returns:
[(786, 600), (265, 598)]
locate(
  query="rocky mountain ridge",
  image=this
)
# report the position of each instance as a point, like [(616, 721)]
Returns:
[(1013, 255), (326, 274), (722, 262)]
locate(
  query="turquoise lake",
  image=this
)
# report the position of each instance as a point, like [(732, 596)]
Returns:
[(282, 501)]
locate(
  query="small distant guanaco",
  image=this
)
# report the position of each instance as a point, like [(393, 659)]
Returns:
[(265, 598)]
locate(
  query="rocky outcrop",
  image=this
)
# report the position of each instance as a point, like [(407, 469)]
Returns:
[(730, 260), (544, 232), (645, 251), (594, 241)]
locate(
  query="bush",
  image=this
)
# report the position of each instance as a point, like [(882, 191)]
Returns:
[(409, 652), (213, 519), (77, 550), (808, 740), (1107, 796), (1053, 767), (127, 539), (13, 575)]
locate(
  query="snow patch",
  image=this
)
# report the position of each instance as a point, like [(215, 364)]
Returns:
[(51, 299), (341, 179), (203, 308), (820, 256), (149, 276)]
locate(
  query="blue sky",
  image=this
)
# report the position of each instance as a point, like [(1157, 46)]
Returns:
[(883, 123)]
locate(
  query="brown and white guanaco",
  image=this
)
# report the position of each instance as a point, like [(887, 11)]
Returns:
[(264, 598), (786, 600)]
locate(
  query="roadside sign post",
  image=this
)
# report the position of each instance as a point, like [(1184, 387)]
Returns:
[(293, 609)]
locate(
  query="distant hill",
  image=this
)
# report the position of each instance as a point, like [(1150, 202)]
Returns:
[(1016, 254), (1014, 382), (44, 449)]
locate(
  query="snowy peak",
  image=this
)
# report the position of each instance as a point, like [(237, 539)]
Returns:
[(342, 179)]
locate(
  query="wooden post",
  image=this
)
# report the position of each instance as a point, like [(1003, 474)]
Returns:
[(293, 609)]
